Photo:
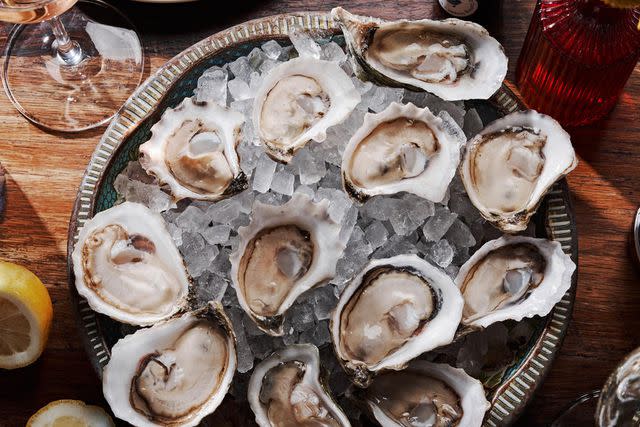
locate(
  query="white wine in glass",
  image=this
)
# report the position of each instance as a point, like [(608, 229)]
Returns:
[(69, 68)]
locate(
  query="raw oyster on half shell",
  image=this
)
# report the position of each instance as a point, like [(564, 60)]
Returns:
[(452, 58), (403, 148), (192, 150), (298, 101), (512, 163), (511, 278), (394, 310), (283, 252), (286, 390), (425, 394), (127, 266), (174, 373)]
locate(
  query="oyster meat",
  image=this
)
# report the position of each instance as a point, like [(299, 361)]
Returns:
[(285, 251), (298, 101), (394, 310), (425, 394), (511, 278), (403, 148), (192, 150), (285, 391), (512, 163), (127, 266), (452, 58), (174, 373)]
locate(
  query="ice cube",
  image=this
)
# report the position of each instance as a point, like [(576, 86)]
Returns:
[(438, 224), (212, 86), (441, 253), (452, 128), (224, 211), (217, 234), (381, 207), (472, 123), (376, 234), (240, 68), (192, 219), (263, 174), (460, 235), (282, 183), (348, 222), (304, 43), (255, 59), (239, 90), (310, 169), (333, 52), (272, 49), (323, 302), (210, 287), (304, 189)]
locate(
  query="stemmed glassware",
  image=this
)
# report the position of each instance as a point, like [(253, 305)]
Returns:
[(69, 68)]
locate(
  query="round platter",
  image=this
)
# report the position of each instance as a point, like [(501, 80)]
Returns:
[(177, 80)]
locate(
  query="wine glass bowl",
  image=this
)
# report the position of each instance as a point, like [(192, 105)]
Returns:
[(67, 70)]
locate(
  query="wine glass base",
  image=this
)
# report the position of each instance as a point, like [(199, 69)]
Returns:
[(580, 413), (73, 98)]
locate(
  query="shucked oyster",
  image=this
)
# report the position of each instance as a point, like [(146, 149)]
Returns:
[(394, 310), (452, 59), (512, 163), (298, 101), (193, 151), (425, 394), (285, 391), (174, 373), (127, 266), (285, 251), (511, 278), (403, 148)]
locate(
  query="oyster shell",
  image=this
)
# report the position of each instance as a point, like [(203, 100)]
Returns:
[(394, 310), (127, 266), (403, 148), (284, 251), (512, 163), (511, 278), (298, 101), (174, 373), (452, 59), (425, 393), (285, 390), (192, 150)]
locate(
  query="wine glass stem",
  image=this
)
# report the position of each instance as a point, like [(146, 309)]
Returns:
[(67, 51)]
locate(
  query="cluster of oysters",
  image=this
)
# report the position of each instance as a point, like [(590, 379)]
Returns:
[(179, 369)]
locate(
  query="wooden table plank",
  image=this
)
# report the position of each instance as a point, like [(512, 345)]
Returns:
[(44, 171)]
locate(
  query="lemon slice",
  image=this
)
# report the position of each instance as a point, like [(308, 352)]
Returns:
[(70, 413), (25, 316)]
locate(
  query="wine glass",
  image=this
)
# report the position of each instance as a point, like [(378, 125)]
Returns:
[(64, 70)]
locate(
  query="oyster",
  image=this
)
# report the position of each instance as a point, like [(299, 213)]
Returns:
[(512, 163), (511, 278), (298, 101), (452, 59), (425, 394), (174, 373), (285, 390), (127, 266), (394, 310), (284, 251), (403, 148), (192, 150)]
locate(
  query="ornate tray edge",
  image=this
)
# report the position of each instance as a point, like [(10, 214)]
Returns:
[(510, 399)]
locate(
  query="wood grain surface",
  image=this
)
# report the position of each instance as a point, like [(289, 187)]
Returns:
[(44, 171)]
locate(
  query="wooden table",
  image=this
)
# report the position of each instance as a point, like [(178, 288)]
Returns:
[(44, 171)]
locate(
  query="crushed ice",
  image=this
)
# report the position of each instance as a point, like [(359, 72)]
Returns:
[(444, 233)]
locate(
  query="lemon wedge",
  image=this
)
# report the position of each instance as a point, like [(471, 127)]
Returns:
[(25, 316), (70, 413)]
